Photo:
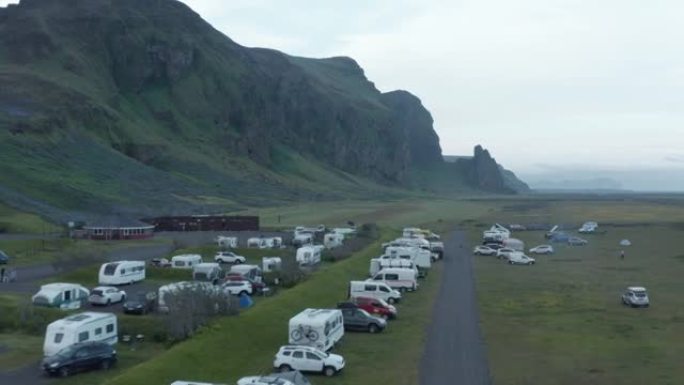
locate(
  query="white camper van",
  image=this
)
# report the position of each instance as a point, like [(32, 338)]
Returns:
[(121, 272), (81, 327), (377, 264), (254, 242), (397, 278), (302, 239), (379, 290), (176, 286), (271, 243), (227, 242), (320, 328), (252, 272), (185, 261), (208, 272), (421, 257), (61, 295), (332, 240), (308, 255), (270, 264)]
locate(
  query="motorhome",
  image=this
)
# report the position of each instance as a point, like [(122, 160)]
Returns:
[(377, 264), (121, 272), (308, 255), (252, 272), (208, 272), (408, 242), (254, 242), (332, 240), (437, 249), (271, 243), (302, 238), (185, 261), (61, 295), (398, 278), (421, 257), (227, 242), (81, 327), (172, 288), (515, 244), (320, 328), (270, 264), (373, 289)]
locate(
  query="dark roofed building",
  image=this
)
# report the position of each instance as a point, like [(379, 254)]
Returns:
[(118, 229)]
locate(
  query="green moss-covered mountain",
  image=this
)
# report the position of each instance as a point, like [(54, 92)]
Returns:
[(141, 106)]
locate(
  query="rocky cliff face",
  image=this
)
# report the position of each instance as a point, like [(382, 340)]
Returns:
[(484, 173)]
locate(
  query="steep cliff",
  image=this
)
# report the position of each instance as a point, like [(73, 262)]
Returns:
[(484, 173)]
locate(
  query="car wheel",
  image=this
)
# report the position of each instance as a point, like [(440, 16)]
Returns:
[(372, 328), (391, 301), (285, 368), (105, 365), (64, 371), (329, 371)]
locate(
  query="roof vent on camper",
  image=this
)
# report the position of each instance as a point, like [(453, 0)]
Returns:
[(78, 317)]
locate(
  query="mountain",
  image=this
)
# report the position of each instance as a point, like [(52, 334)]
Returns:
[(143, 107)]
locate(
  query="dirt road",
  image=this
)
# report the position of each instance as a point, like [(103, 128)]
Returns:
[(455, 352)]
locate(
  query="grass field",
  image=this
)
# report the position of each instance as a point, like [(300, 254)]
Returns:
[(14, 221), (21, 350)]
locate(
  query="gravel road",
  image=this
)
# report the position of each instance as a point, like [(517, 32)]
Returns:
[(455, 352)]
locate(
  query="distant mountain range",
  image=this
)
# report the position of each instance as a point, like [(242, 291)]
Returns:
[(142, 107)]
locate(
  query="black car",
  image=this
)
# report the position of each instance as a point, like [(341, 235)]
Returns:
[(361, 320), (143, 303), (80, 357), (4, 258)]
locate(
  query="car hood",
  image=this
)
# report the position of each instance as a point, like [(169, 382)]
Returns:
[(336, 358)]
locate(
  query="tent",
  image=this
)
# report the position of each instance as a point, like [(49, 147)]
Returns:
[(246, 301), (625, 242), (559, 237)]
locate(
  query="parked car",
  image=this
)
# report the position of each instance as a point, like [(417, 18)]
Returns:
[(294, 377), (635, 296), (4, 258), (356, 319), (577, 241), (143, 303), (257, 287), (307, 359), (160, 262), (237, 287), (520, 259), (106, 295), (376, 307), (484, 250), (80, 357), (504, 252), (229, 257), (542, 249), (494, 245)]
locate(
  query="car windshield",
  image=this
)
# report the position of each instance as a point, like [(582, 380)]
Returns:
[(640, 294), (67, 352), (97, 292)]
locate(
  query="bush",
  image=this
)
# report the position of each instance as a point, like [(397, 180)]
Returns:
[(149, 326), (369, 231), (289, 275)]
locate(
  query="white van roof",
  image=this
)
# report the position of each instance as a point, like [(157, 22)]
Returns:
[(60, 286), (186, 256), (396, 270), (315, 316)]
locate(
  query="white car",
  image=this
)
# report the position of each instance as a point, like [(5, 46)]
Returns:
[(483, 250), (519, 258), (229, 257), (542, 249), (307, 359), (635, 296), (106, 295), (577, 241), (504, 252), (238, 287)]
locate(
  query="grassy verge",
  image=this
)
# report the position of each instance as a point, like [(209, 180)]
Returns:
[(14, 221), (561, 321), (19, 350), (244, 345)]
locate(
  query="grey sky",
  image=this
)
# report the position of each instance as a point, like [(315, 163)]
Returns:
[(544, 84)]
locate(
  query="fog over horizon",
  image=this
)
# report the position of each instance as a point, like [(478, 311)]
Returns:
[(558, 90)]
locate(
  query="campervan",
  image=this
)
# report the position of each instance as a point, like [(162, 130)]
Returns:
[(252, 272), (185, 261), (377, 264), (320, 328), (81, 327), (271, 243), (61, 295), (378, 290), (302, 238), (171, 288), (308, 255), (121, 272), (421, 257), (227, 242), (254, 242), (208, 272), (332, 240), (270, 264), (515, 244), (398, 278), (408, 242)]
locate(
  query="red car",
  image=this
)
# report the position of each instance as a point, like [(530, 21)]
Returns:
[(376, 307)]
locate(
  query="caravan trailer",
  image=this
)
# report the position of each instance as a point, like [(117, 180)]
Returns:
[(185, 261), (251, 272), (332, 240), (254, 242), (377, 264), (421, 257), (515, 244), (320, 328), (308, 255), (270, 264), (61, 295), (81, 327), (208, 272), (121, 272), (227, 242)]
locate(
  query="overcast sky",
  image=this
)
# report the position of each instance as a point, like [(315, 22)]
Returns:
[(546, 85)]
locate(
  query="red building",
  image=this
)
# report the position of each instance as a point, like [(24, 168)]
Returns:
[(118, 229), (205, 223)]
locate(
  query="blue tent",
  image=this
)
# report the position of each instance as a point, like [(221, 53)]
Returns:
[(246, 301)]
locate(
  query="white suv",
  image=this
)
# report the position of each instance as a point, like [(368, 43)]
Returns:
[(238, 287), (519, 258), (307, 359), (635, 296), (229, 257), (504, 252)]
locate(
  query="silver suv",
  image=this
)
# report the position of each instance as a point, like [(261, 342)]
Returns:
[(229, 257), (307, 359), (635, 296)]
